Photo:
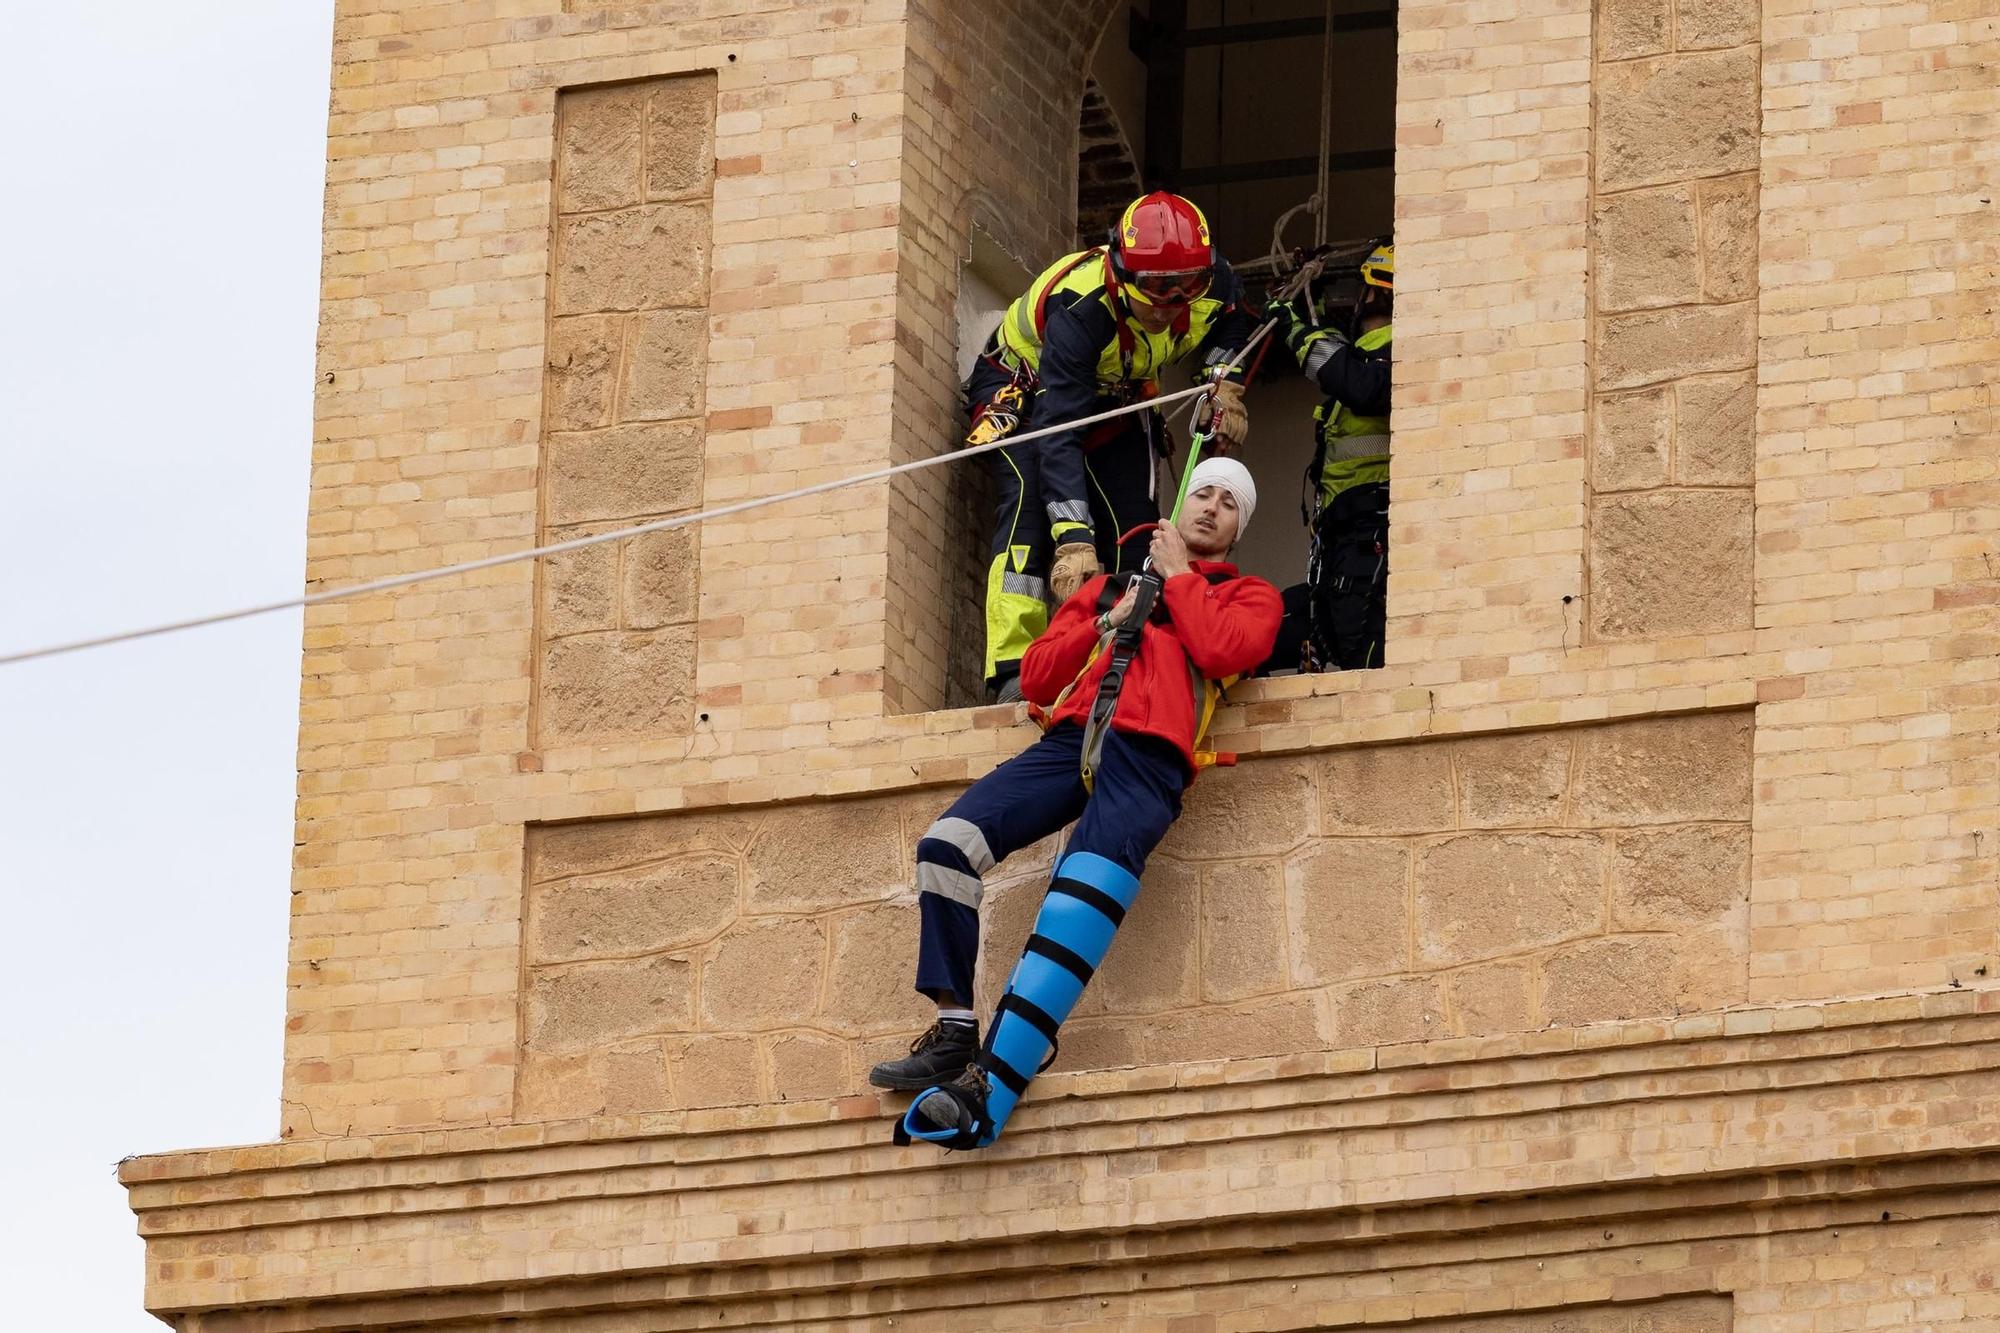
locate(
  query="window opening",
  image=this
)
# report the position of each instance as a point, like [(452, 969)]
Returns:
[(1222, 101), (1248, 135)]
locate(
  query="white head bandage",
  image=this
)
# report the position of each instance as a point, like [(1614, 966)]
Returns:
[(1233, 477)]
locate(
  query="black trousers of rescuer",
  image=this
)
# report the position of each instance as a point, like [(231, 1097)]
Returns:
[(1122, 494), (1350, 607)]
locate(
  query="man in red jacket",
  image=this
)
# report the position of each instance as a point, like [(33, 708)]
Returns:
[(1209, 625)]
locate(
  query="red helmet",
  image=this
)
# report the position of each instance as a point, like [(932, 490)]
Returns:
[(1160, 251)]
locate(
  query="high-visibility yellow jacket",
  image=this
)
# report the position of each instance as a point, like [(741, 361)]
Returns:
[(1353, 429), (1075, 335)]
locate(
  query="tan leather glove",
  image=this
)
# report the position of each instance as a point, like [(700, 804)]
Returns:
[(1075, 565), (1230, 421)]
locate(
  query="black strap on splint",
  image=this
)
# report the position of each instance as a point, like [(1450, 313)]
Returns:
[(1035, 1017), (1112, 910), (1124, 649), (1027, 1010), (1005, 1074), (1069, 960)]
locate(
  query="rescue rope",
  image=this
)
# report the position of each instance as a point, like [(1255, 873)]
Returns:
[(620, 534)]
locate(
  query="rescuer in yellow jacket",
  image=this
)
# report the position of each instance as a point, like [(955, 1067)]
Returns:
[(1347, 483), (1093, 331)]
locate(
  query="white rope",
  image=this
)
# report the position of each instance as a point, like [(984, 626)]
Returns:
[(620, 534), (1280, 257)]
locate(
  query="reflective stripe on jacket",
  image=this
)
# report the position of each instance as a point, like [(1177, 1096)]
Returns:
[(1353, 448)]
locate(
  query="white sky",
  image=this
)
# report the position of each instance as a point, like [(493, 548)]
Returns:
[(159, 254)]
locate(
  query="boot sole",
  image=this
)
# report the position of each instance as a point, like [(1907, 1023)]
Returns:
[(877, 1079)]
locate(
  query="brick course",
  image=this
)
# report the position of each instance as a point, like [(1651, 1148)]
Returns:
[(1537, 1176)]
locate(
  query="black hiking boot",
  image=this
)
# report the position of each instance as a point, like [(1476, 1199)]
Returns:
[(942, 1050), (951, 1106)]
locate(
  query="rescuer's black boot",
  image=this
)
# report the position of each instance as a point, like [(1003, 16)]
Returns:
[(945, 1049)]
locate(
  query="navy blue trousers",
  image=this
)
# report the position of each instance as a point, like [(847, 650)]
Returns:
[(1032, 795)]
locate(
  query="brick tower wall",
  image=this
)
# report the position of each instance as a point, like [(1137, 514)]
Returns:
[(1684, 744), (516, 347)]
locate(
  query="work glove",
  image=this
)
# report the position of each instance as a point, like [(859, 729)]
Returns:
[(1229, 420), (1295, 328), (1075, 565), (1310, 345)]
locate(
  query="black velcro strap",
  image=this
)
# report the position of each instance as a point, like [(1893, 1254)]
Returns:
[(1035, 1016), (1005, 1074), (1067, 959), (1098, 898)]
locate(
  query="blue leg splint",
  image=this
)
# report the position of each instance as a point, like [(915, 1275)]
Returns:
[(1085, 904)]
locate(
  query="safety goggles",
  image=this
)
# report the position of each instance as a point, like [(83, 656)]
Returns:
[(1182, 288)]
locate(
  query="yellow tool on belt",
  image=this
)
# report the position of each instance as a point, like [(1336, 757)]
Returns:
[(999, 418)]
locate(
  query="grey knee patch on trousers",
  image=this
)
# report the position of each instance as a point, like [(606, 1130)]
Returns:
[(946, 882), (964, 835)]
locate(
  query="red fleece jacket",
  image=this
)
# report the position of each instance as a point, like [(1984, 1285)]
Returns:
[(1224, 629)]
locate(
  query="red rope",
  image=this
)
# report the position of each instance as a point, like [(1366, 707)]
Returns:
[(1137, 529)]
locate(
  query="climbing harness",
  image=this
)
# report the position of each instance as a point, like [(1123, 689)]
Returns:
[(1208, 695), (1146, 587)]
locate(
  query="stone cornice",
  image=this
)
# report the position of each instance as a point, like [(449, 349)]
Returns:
[(1538, 1131), (1270, 716)]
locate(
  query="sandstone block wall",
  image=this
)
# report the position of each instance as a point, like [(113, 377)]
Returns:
[(624, 402), (1674, 286), (1372, 896)]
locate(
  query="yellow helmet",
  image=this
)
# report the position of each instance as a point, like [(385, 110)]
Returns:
[(1379, 269)]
